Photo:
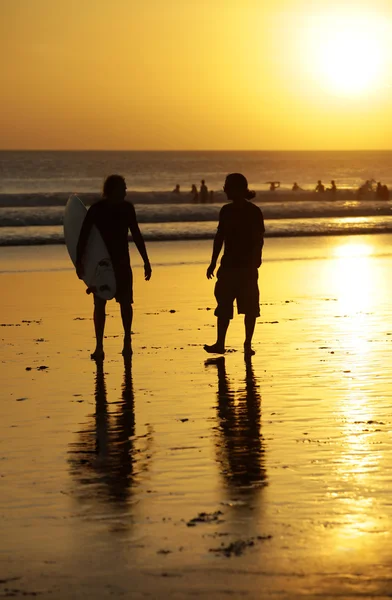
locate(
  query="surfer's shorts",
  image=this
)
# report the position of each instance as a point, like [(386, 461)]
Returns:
[(240, 284), (124, 287)]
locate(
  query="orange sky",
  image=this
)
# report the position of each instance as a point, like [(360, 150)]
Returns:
[(195, 74)]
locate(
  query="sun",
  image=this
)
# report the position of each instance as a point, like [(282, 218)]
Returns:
[(348, 52)]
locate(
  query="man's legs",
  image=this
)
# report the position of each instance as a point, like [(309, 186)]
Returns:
[(224, 294), (250, 322), (248, 302), (99, 325), (126, 316), (219, 346)]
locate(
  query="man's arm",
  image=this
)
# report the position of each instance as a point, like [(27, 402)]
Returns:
[(139, 242), (217, 246), (82, 242)]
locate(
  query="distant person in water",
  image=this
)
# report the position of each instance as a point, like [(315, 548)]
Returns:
[(296, 187), (176, 189), (194, 193), (274, 185), (366, 188), (113, 216), (320, 189), (333, 189), (382, 191), (203, 193), (241, 230)]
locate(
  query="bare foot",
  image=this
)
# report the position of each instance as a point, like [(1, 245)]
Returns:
[(214, 349), (248, 350), (98, 354)]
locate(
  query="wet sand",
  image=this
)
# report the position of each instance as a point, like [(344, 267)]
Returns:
[(176, 476)]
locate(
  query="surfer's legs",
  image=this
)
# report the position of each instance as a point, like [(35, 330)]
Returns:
[(99, 324), (126, 316)]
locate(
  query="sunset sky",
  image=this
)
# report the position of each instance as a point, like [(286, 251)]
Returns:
[(196, 74)]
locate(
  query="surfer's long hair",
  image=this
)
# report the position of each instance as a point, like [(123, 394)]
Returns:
[(111, 183)]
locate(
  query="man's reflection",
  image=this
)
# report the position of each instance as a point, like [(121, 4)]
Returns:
[(104, 456), (239, 442)]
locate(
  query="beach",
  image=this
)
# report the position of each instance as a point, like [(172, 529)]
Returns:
[(177, 476)]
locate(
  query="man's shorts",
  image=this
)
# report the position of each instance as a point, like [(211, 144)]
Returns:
[(240, 284)]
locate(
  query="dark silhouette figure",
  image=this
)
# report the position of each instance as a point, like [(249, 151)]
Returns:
[(274, 185), (333, 189), (382, 191), (241, 230), (366, 188), (296, 187), (239, 442), (320, 189), (176, 189), (113, 216), (203, 193), (194, 193), (103, 459)]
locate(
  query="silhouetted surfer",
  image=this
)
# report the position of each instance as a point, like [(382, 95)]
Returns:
[(113, 216), (320, 189), (203, 194), (241, 230), (382, 191), (194, 193), (274, 185), (296, 187), (333, 189)]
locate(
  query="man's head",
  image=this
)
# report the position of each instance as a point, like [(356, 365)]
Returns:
[(114, 188), (236, 187)]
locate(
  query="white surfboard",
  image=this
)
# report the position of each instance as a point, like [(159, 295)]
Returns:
[(98, 270)]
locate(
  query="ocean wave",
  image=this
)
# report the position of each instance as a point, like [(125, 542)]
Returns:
[(23, 236), (190, 213), (41, 199)]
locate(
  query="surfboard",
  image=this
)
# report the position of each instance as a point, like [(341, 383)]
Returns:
[(98, 270)]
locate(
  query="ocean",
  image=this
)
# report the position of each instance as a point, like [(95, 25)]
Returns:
[(35, 185)]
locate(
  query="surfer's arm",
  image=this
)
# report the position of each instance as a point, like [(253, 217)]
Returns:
[(259, 241), (139, 242), (82, 242)]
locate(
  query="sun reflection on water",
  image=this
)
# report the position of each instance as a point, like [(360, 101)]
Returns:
[(358, 459)]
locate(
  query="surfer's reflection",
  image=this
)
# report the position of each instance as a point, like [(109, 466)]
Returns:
[(103, 460), (239, 442)]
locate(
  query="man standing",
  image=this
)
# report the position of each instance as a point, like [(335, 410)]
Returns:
[(203, 194), (113, 216), (241, 230)]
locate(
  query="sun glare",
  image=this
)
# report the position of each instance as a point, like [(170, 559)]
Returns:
[(348, 53)]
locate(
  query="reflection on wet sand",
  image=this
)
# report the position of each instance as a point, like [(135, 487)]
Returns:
[(239, 442), (104, 457)]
